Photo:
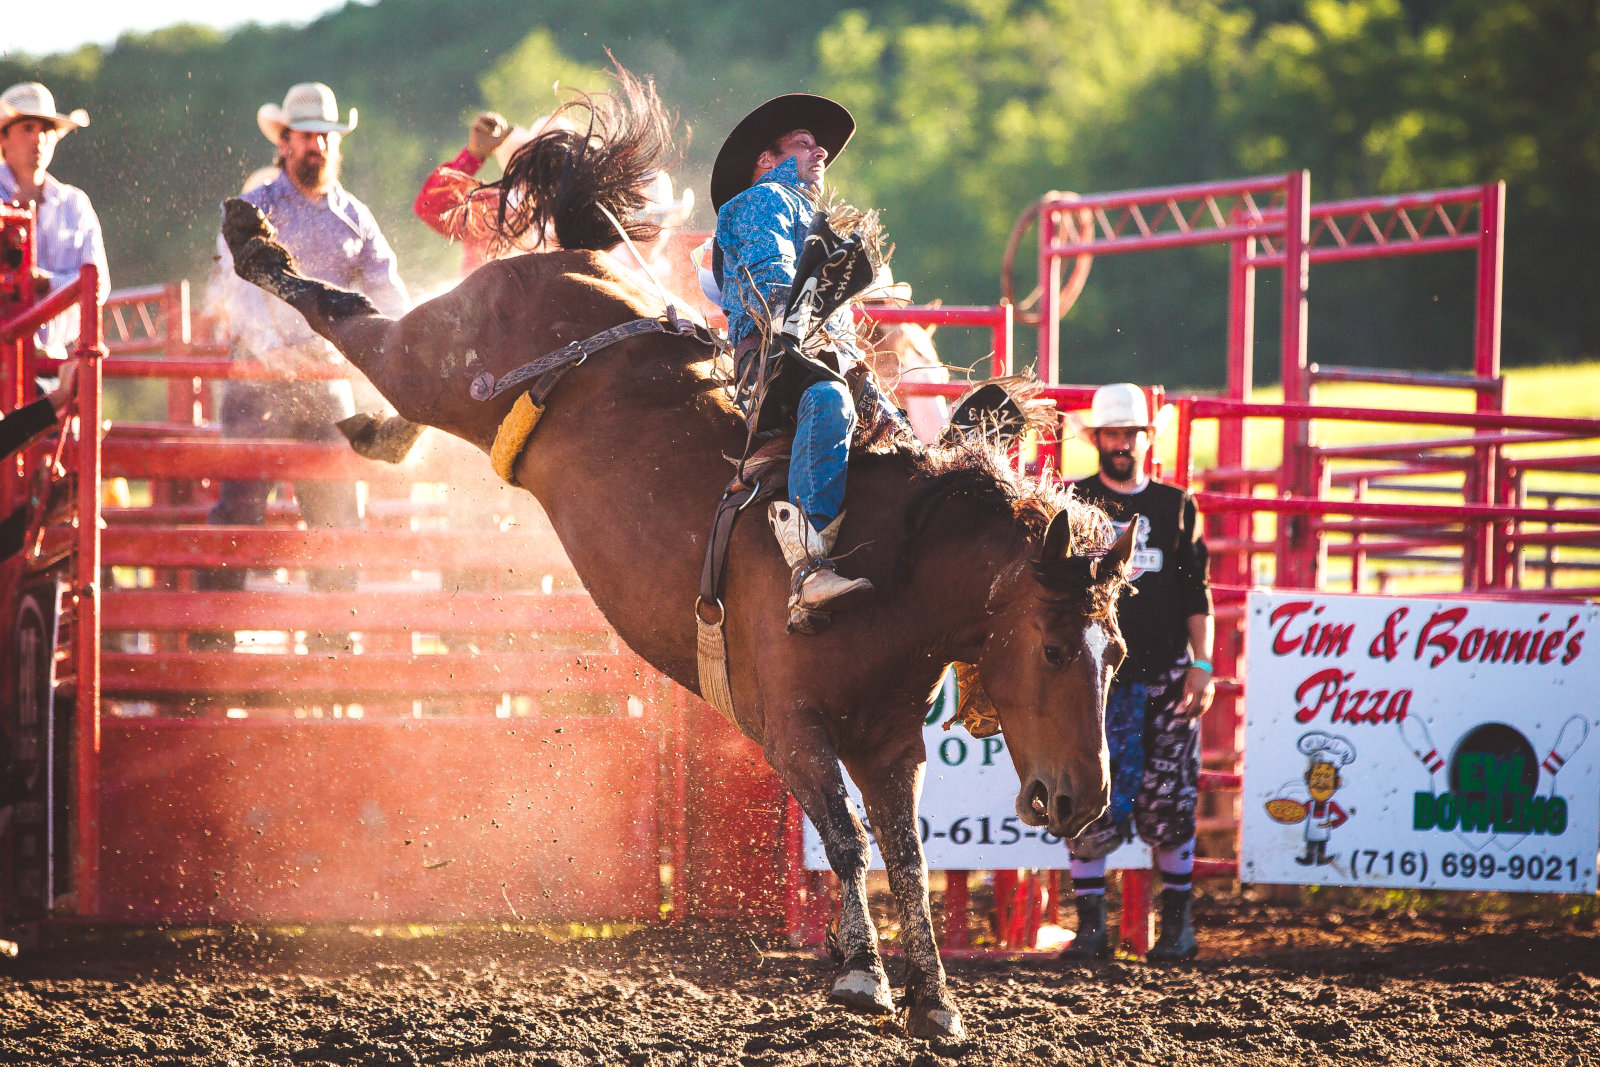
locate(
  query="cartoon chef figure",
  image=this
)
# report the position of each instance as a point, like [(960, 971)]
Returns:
[(1321, 813)]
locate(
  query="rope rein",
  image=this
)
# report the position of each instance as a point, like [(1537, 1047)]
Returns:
[(643, 263)]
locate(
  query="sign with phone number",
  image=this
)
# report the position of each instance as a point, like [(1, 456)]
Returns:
[(968, 812), (1421, 743), (1371, 864)]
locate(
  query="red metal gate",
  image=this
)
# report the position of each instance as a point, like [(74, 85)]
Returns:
[(1359, 503), (549, 774), (488, 750)]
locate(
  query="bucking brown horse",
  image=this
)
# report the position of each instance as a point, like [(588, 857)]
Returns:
[(971, 562)]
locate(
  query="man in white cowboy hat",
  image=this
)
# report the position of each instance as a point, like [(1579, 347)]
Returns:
[(1160, 690), (334, 238), (656, 263), (904, 352), (765, 187), (67, 229)]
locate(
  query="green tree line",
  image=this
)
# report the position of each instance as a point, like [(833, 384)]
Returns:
[(968, 111)]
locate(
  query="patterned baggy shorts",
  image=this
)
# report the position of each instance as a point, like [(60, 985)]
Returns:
[(1155, 768)]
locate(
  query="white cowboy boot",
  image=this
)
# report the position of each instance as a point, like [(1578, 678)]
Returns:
[(816, 589)]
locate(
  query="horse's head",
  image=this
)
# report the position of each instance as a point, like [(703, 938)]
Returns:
[(1046, 665)]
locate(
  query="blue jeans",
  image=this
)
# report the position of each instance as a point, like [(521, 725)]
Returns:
[(821, 451), (825, 420)]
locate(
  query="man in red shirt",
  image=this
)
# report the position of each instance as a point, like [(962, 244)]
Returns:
[(450, 202)]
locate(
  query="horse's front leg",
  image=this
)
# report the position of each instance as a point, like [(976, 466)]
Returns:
[(261, 260), (349, 320), (890, 785), (803, 755)]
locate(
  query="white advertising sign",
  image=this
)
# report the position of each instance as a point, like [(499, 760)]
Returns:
[(968, 811), (1421, 743)]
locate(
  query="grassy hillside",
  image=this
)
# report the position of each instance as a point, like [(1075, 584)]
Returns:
[(968, 111)]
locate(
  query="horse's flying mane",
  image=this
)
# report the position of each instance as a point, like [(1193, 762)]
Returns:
[(566, 180)]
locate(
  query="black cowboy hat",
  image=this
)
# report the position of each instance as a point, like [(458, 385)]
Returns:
[(829, 122)]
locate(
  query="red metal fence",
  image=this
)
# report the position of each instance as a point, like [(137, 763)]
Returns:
[(547, 773), (497, 753), (490, 752), (58, 568)]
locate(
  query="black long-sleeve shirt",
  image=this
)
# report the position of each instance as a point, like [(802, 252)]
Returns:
[(24, 424), (1168, 569), (16, 430)]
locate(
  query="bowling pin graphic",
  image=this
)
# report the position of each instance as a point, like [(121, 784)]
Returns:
[(1574, 732), (1571, 738), (1415, 734)]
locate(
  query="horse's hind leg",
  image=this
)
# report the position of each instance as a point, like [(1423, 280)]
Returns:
[(803, 756), (890, 786)]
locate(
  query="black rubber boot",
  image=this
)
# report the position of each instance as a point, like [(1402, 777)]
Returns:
[(1093, 940), (1177, 940)]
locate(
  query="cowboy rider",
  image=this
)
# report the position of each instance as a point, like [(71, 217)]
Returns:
[(765, 188)]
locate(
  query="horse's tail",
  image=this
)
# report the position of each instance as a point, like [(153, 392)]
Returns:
[(568, 178)]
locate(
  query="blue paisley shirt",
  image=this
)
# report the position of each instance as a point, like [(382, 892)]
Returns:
[(760, 232)]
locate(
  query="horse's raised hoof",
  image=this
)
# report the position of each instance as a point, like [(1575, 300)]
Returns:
[(933, 1015), (251, 240), (864, 990)]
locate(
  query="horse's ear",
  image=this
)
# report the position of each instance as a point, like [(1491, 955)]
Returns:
[(1058, 537), (1116, 559)]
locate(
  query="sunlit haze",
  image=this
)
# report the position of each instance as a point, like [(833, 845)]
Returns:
[(43, 29)]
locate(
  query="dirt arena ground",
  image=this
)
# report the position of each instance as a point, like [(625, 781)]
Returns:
[(1274, 985)]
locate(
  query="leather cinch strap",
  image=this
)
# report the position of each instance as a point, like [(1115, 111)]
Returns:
[(765, 474), (511, 439)]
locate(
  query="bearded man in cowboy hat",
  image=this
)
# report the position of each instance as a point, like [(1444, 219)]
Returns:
[(334, 238), (765, 187), (67, 230), (1160, 690)]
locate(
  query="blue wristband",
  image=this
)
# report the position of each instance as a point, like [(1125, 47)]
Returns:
[(1203, 664)]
